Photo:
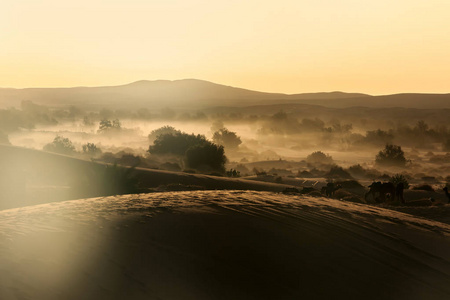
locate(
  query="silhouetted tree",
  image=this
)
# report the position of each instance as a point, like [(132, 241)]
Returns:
[(60, 145), (379, 137), (206, 156), (391, 155), (160, 131), (195, 150), (227, 138), (318, 157), (106, 124), (397, 178), (91, 149)]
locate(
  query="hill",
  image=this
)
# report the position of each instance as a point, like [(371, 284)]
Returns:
[(160, 93), (32, 177)]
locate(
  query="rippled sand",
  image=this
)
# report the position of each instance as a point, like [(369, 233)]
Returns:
[(220, 245)]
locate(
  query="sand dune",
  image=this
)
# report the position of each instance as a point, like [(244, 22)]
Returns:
[(220, 245), (31, 176)]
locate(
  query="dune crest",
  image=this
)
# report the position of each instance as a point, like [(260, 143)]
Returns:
[(220, 245)]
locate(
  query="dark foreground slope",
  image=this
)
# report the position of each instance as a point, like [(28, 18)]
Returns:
[(29, 176), (220, 245)]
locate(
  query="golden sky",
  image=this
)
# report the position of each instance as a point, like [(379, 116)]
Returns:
[(290, 46)]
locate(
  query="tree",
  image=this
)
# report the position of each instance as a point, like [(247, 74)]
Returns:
[(91, 149), (177, 143), (379, 137), (227, 138), (206, 156), (391, 155), (60, 145), (106, 125), (397, 178), (160, 131), (195, 150), (318, 157)]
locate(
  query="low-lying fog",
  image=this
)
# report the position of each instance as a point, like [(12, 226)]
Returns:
[(255, 146), (349, 136)]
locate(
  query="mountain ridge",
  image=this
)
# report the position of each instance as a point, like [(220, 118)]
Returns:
[(195, 93)]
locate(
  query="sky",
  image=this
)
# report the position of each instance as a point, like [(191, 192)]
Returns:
[(376, 47)]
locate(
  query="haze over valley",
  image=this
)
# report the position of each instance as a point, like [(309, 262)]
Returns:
[(192, 149)]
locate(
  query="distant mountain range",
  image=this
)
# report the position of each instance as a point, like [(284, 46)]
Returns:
[(192, 93)]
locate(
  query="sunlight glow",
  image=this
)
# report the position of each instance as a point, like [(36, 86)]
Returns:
[(288, 46)]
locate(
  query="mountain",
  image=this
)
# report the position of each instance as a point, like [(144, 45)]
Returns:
[(192, 93), (180, 93)]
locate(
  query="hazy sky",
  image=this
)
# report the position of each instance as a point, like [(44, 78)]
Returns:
[(378, 47)]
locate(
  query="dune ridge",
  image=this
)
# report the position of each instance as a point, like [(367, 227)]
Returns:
[(220, 245)]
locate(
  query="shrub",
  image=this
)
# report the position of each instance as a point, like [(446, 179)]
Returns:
[(106, 125), (379, 137), (233, 173), (318, 157), (349, 184), (226, 138), (338, 172), (279, 179), (160, 131), (60, 145), (196, 151), (357, 170), (206, 156), (391, 155), (177, 143), (397, 178), (91, 149)]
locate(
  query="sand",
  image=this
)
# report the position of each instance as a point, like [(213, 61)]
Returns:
[(220, 245)]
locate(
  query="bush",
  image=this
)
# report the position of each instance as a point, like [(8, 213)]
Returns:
[(379, 137), (176, 144), (338, 172), (60, 145), (226, 138), (233, 173), (397, 178), (196, 151), (160, 131), (106, 125), (391, 155), (279, 179), (357, 170), (206, 156), (91, 149), (318, 157), (349, 184)]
